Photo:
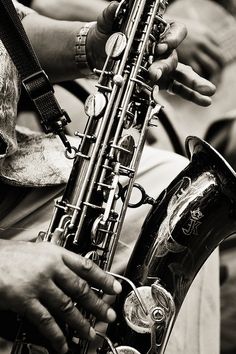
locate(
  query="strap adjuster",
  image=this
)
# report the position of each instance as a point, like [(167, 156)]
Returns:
[(37, 84), (41, 92)]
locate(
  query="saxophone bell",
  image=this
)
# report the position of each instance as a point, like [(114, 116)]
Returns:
[(191, 217)]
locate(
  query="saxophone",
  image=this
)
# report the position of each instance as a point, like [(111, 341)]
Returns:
[(181, 229)]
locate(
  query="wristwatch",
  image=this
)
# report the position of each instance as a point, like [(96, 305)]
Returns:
[(80, 51)]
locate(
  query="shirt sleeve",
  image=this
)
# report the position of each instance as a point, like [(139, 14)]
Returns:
[(22, 10)]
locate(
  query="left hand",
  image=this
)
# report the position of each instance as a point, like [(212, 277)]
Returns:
[(165, 69), (168, 73)]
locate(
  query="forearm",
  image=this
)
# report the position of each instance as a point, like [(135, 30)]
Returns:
[(54, 44), (74, 10)]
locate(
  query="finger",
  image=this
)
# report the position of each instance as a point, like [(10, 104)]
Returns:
[(38, 315), (190, 95), (196, 67), (174, 36), (64, 309), (89, 271), (209, 65), (106, 20), (163, 67), (185, 75), (214, 52), (79, 290), (212, 36)]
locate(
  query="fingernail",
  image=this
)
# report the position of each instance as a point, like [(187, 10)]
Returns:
[(117, 287), (207, 89), (92, 333), (162, 48), (111, 315), (206, 102), (158, 74)]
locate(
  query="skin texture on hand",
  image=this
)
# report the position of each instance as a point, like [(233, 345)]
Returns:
[(41, 282)]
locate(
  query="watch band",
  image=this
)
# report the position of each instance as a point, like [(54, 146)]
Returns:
[(80, 51)]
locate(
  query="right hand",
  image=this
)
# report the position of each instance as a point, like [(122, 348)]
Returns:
[(41, 280), (200, 49)]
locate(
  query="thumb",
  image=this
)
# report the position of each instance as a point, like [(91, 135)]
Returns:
[(105, 21)]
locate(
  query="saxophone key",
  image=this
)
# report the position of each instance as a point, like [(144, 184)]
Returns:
[(118, 80), (124, 150), (95, 105), (91, 138), (103, 72), (158, 310), (104, 88), (141, 84), (86, 157), (115, 45), (98, 233)]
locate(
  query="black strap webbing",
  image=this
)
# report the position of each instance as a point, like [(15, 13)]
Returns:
[(33, 78)]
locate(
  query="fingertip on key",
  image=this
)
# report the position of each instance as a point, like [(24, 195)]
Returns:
[(161, 48), (207, 101), (117, 287), (111, 315), (208, 89)]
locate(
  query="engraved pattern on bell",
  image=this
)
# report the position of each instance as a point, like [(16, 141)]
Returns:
[(177, 205)]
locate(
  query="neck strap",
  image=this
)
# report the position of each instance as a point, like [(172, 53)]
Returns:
[(35, 81)]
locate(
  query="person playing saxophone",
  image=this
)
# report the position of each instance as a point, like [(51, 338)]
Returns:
[(37, 280)]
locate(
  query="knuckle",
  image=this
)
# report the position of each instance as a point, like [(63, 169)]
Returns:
[(66, 305), (108, 280), (84, 289), (52, 255), (195, 84), (87, 264), (188, 69), (45, 320), (101, 306)]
